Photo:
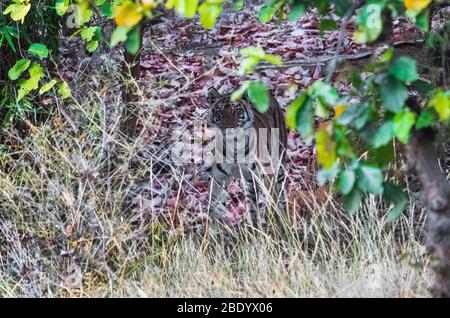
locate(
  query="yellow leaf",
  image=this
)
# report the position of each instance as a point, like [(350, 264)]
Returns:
[(339, 109), (170, 4), (418, 5), (148, 5), (441, 103), (128, 14), (83, 13), (326, 147), (18, 11)]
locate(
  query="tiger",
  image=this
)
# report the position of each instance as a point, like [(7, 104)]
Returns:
[(251, 135)]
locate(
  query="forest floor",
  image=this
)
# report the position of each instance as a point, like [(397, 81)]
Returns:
[(90, 214)]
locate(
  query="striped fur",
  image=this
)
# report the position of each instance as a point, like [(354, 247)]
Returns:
[(235, 120)]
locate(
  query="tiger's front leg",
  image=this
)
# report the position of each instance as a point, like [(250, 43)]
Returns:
[(252, 202), (218, 185)]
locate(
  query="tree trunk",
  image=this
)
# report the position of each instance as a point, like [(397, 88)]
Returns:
[(422, 157)]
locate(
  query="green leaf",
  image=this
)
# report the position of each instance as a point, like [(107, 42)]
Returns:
[(393, 94), (370, 23), (381, 156), (441, 104), (106, 9), (92, 46), (352, 201), (326, 93), (10, 42), (257, 92), (297, 10), (46, 87), (237, 94), (346, 181), (83, 13), (326, 148), (187, 8), (383, 135), (403, 123), (26, 86), (119, 35), (253, 51), (266, 14), (404, 69), (355, 115), (300, 115), (370, 178), (326, 25), (387, 56), (61, 7), (208, 14), (133, 42), (343, 145), (19, 67), (422, 87), (38, 50), (397, 197), (248, 64), (276, 60), (88, 33), (64, 90), (325, 175), (239, 4), (341, 6), (426, 119), (423, 20)]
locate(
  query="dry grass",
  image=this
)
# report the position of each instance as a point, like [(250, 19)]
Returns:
[(66, 229)]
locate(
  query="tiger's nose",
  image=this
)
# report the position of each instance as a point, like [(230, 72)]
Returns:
[(228, 120)]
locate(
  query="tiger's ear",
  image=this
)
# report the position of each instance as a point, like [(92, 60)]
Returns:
[(213, 95)]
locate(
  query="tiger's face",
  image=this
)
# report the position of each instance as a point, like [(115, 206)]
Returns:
[(225, 114)]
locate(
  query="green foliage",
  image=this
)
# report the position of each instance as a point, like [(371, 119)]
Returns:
[(370, 23), (16, 71), (239, 5), (403, 123), (397, 197), (266, 13), (297, 10), (370, 178), (119, 35), (133, 41), (381, 114), (253, 56), (441, 104), (38, 50), (346, 181), (393, 93), (186, 8), (383, 135), (327, 24), (64, 90), (300, 116), (46, 87), (209, 12), (258, 94), (61, 7), (404, 69), (256, 90)]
